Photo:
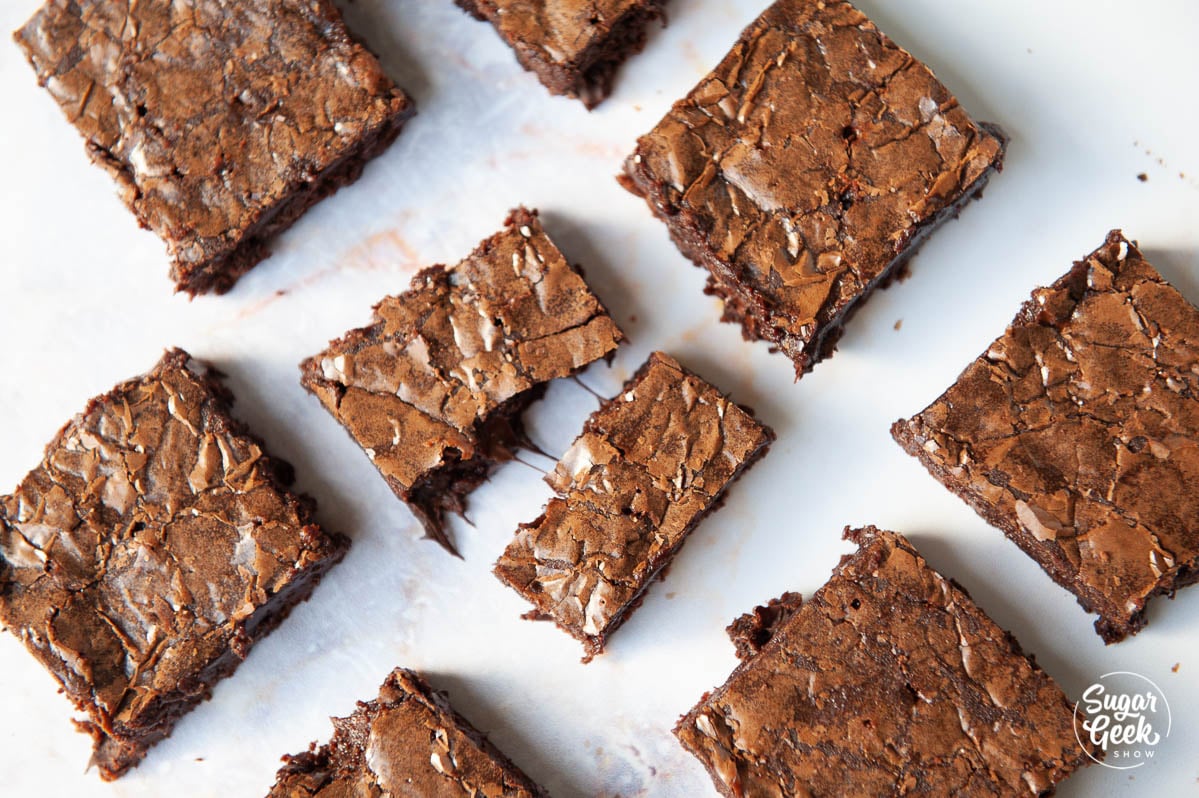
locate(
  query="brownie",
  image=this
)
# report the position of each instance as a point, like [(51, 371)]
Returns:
[(889, 680), (1077, 434), (407, 742), (152, 547), (573, 46), (806, 168), (649, 465), (221, 122), (434, 388)]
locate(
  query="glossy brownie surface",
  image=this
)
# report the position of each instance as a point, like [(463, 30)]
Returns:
[(1077, 433), (803, 170), (574, 46), (433, 388), (651, 462), (221, 122), (888, 680), (147, 552), (406, 742)]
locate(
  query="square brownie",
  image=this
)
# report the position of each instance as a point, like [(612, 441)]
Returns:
[(806, 168), (221, 122), (408, 741), (434, 388), (889, 680), (1077, 434), (649, 465), (152, 547), (573, 46)]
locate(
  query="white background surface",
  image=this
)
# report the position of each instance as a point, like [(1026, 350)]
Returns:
[(1091, 92)]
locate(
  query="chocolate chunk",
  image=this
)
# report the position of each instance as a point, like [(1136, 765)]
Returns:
[(434, 389), (755, 629), (650, 464), (1089, 408), (221, 122), (408, 741), (889, 680), (573, 46), (152, 547), (805, 169)]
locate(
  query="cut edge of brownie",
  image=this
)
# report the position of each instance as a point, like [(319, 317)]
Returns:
[(742, 305), (499, 435), (116, 749), (1115, 623), (594, 644), (321, 757), (219, 275), (769, 619), (590, 77)]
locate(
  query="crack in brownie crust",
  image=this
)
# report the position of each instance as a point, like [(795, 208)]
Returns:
[(650, 464), (149, 550), (889, 680), (573, 46), (221, 122), (434, 388), (1077, 434), (806, 168), (408, 741)]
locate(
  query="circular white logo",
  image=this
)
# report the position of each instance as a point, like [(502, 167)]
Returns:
[(1125, 716)]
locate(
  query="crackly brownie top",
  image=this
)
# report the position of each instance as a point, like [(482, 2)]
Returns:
[(456, 346), (408, 742), (209, 113), (152, 531), (1081, 422), (647, 466), (888, 680), (810, 156), (561, 31)]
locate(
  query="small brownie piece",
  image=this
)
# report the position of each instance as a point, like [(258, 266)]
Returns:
[(754, 629), (222, 122), (1077, 434), (434, 389), (152, 547), (407, 742), (889, 680), (649, 465), (573, 46), (805, 169)]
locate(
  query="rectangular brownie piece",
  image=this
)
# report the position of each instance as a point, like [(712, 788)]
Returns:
[(408, 741), (221, 122), (573, 46), (1077, 434), (434, 388), (649, 465), (889, 680), (804, 170), (152, 547)]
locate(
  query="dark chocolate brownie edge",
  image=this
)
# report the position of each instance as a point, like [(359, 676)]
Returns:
[(590, 77), (1112, 625), (218, 275), (745, 306), (118, 750)]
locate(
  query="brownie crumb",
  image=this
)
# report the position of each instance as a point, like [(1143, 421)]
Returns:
[(1144, 178)]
